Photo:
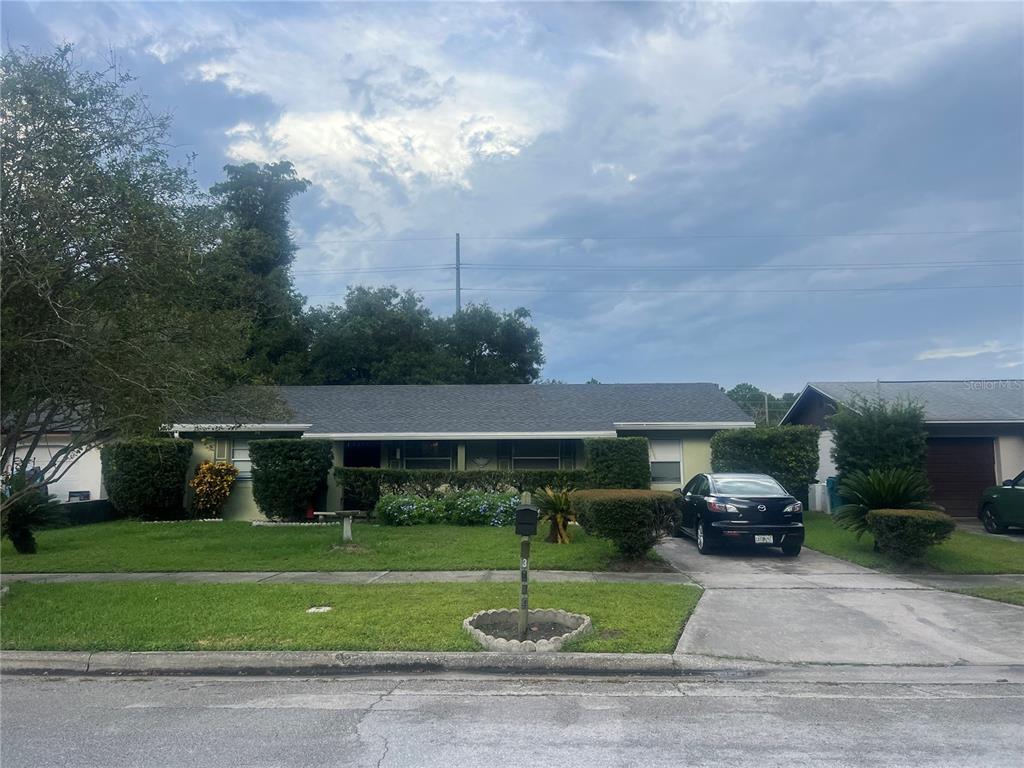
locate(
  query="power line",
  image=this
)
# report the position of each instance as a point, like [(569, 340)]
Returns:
[(730, 267), (1018, 286), (361, 270), (371, 240), (752, 236)]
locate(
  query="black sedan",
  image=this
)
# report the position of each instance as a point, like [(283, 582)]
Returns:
[(750, 509)]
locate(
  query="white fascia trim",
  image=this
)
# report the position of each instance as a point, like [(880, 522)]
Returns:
[(237, 427), (658, 425), (453, 435), (986, 422)]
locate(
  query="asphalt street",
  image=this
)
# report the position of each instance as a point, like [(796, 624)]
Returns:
[(114, 723)]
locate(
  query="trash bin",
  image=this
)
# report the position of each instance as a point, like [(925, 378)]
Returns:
[(834, 499)]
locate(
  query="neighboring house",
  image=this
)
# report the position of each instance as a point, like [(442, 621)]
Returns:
[(467, 427), (81, 482), (975, 430)]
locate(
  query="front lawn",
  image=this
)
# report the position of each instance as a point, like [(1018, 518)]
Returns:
[(1013, 595), (125, 546), (963, 553), (122, 616)]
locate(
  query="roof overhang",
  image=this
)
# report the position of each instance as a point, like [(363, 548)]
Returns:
[(237, 427), (651, 426), (807, 388), (458, 435)]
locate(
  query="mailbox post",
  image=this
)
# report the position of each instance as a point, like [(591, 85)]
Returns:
[(526, 526)]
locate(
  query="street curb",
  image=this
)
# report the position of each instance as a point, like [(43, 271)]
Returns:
[(328, 663)]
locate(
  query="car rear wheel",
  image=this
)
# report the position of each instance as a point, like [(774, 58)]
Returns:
[(990, 521), (791, 550), (703, 545)]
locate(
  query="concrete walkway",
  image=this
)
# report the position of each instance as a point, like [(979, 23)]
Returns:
[(348, 577), (760, 605)]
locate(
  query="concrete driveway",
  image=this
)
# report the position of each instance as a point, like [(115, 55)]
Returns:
[(761, 605)]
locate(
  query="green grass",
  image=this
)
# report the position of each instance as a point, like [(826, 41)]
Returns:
[(963, 553), (122, 616), (231, 546), (1014, 595)]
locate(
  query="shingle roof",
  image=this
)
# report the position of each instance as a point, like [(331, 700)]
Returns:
[(513, 408), (965, 400)]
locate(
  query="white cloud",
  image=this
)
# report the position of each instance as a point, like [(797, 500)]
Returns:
[(945, 353)]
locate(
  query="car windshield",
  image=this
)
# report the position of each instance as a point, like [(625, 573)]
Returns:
[(748, 486)]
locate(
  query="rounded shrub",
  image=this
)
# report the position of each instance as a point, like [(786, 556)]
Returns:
[(211, 486), (288, 474), (632, 519), (479, 508), (907, 533), (145, 477)]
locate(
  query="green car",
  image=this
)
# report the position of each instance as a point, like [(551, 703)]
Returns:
[(1003, 505)]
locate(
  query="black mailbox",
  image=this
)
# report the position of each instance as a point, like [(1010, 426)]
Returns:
[(526, 520)]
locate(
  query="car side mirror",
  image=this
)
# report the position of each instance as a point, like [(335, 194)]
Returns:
[(1008, 483)]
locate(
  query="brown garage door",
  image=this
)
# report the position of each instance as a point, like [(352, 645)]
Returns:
[(959, 469)]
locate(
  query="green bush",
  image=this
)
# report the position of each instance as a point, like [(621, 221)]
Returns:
[(880, 489), (288, 474), (145, 477), (876, 434), (363, 486), (632, 519), (463, 508), (789, 454), (907, 533), (618, 462)]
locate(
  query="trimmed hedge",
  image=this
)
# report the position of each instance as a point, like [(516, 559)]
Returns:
[(88, 512), (288, 474), (145, 477), (907, 533), (362, 487), (632, 519), (467, 508), (879, 435), (618, 462), (789, 454)]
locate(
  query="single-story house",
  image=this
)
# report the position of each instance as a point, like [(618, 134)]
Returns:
[(467, 427), (81, 481), (975, 430)]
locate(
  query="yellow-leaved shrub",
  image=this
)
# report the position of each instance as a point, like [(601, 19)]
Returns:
[(212, 485)]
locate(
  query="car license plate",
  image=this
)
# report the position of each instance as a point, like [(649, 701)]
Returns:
[(764, 539)]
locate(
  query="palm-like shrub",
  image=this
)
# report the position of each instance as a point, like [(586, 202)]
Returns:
[(555, 505), (880, 489), (31, 510)]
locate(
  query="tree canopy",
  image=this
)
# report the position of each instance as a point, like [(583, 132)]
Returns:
[(385, 336), (251, 266), (753, 399), (106, 328)]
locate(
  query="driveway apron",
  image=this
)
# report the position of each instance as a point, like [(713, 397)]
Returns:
[(759, 604)]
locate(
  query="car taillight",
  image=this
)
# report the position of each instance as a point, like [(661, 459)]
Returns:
[(795, 507), (717, 506)]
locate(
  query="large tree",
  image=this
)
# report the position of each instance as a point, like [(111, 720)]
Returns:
[(384, 336), (106, 328), (763, 407), (252, 267)]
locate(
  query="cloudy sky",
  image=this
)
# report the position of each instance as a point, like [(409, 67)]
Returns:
[(770, 193)]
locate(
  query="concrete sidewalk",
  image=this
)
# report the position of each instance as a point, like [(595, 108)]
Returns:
[(348, 577), (812, 573)]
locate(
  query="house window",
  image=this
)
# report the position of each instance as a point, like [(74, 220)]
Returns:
[(428, 454), (666, 461), (240, 458), (535, 454)]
